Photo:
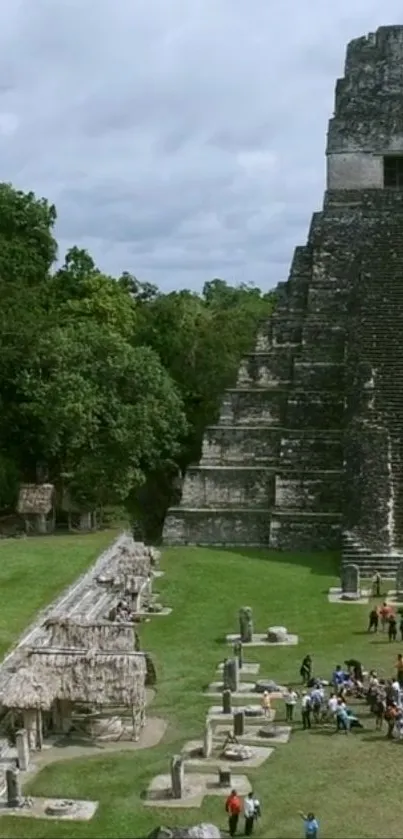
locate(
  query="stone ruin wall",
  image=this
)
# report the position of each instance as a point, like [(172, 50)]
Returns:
[(304, 439)]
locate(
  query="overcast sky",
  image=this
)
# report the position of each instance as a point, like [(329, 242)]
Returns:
[(180, 140)]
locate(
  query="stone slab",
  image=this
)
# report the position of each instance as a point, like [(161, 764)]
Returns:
[(197, 786), (215, 714), (144, 613), (251, 736), (190, 749), (157, 573), (260, 640), (335, 594), (248, 669), (35, 808)]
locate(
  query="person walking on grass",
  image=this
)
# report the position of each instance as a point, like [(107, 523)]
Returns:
[(290, 699), (306, 669), (306, 709), (266, 704), (252, 812), (373, 622), (311, 825), (233, 807), (392, 628)]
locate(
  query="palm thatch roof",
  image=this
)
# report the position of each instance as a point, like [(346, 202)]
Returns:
[(28, 688), (91, 677), (35, 499), (70, 634)]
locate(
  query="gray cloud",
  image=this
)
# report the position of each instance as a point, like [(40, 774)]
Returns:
[(179, 140)]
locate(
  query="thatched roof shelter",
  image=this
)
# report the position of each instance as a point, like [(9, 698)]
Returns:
[(92, 677), (103, 635), (28, 688), (35, 499)]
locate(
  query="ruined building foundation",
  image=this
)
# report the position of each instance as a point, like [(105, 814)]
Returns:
[(307, 452)]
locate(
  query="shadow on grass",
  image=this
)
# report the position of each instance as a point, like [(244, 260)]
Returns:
[(319, 562)]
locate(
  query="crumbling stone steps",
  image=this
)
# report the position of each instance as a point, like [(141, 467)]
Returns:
[(370, 564)]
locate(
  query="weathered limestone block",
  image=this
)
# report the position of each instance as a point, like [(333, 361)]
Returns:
[(277, 634)]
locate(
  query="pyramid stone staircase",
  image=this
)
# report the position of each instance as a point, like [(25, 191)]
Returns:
[(308, 445)]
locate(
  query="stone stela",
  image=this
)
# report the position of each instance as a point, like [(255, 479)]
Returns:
[(13, 781), (350, 579), (21, 742), (238, 653), (208, 740), (177, 776), (239, 723), (226, 702), (246, 625), (231, 674)]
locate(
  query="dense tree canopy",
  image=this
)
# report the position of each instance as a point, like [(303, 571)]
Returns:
[(107, 384)]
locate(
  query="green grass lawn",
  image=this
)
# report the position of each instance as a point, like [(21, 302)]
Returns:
[(351, 783), (34, 571)]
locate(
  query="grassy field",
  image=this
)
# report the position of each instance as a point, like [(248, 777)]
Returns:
[(34, 571), (351, 783)]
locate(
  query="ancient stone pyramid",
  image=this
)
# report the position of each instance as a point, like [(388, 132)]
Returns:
[(307, 453)]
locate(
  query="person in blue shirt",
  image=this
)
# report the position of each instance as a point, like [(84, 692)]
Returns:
[(311, 825), (337, 676)]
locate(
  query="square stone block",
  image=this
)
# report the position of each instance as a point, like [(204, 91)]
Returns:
[(197, 785), (260, 640), (194, 757), (247, 669), (252, 737), (215, 714)]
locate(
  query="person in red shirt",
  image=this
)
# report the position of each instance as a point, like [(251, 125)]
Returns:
[(385, 613), (233, 807)]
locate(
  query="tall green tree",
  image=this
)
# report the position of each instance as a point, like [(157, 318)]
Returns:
[(101, 412)]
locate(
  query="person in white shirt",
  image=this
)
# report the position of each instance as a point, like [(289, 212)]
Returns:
[(290, 698), (332, 706), (251, 810)]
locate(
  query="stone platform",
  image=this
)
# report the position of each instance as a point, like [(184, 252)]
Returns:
[(35, 808), (247, 669), (335, 596), (260, 640), (215, 714), (251, 736), (144, 613), (245, 690), (193, 751), (197, 786)]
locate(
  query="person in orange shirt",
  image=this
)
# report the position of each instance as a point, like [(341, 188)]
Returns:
[(233, 807), (385, 613)]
